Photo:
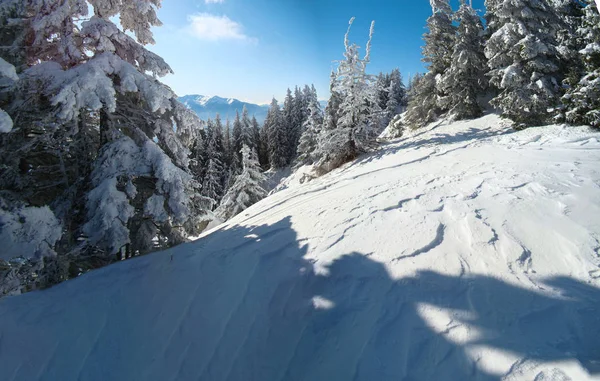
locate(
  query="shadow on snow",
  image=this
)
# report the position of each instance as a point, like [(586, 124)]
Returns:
[(244, 304)]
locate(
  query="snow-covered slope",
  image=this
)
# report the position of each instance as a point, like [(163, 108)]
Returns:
[(465, 252)]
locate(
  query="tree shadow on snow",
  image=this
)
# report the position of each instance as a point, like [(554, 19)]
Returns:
[(352, 321), (245, 304), (384, 328)]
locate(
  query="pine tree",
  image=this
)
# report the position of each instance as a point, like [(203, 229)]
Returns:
[(312, 127), (382, 85), (523, 60), (227, 143), (91, 75), (298, 118), (263, 151), (356, 116), (333, 105), (396, 94), (429, 98), (423, 102), (237, 141), (465, 81), (247, 188), (583, 99), (212, 186), (288, 116), (221, 149), (278, 141), (255, 136), (247, 134)]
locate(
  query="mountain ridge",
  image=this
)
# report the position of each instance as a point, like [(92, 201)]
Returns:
[(207, 107)]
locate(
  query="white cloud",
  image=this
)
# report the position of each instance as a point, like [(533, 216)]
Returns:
[(214, 1), (206, 26)]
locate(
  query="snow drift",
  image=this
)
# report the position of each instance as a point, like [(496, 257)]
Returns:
[(464, 252)]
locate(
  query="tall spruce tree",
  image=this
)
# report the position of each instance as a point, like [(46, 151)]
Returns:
[(237, 141), (465, 81), (311, 129), (523, 60), (277, 137), (247, 188), (583, 99), (429, 99), (122, 183), (358, 109)]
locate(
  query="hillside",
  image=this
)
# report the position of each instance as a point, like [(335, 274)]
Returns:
[(466, 251), (208, 107)]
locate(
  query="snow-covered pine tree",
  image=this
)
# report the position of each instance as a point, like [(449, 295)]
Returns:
[(358, 113), (523, 60), (247, 134), (247, 188), (227, 143), (583, 99), (255, 136), (237, 141), (228, 155), (465, 81), (299, 114), (333, 104), (212, 186), (221, 149), (263, 151), (288, 119), (278, 140), (423, 105), (396, 94), (429, 98), (570, 13), (142, 192), (307, 95), (382, 84), (312, 127)]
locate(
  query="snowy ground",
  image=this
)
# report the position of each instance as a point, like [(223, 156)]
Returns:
[(464, 252)]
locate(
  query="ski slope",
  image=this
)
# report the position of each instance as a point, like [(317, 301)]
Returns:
[(466, 251)]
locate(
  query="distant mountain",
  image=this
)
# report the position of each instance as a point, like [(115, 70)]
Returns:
[(209, 107)]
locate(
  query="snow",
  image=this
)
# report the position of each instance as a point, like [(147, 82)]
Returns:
[(463, 251), (28, 232), (6, 123), (7, 70)]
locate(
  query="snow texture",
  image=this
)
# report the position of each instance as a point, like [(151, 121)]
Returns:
[(28, 232), (462, 251), (6, 123)]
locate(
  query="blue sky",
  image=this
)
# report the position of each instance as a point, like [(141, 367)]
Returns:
[(255, 49)]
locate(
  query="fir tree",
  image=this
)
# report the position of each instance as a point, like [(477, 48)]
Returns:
[(277, 138), (357, 115), (109, 125), (396, 94), (523, 60), (255, 136), (237, 141), (247, 188), (583, 99), (423, 102), (429, 97), (312, 127), (288, 116), (465, 81), (247, 136), (212, 186), (333, 105)]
